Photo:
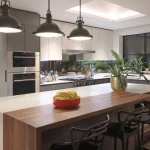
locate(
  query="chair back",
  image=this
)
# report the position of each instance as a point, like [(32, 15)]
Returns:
[(89, 134), (132, 119)]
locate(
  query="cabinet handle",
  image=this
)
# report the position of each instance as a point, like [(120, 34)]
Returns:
[(5, 75)]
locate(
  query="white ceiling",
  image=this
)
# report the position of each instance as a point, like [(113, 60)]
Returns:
[(59, 7)]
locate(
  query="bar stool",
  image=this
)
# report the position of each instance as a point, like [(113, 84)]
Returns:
[(89, 139), (126, 127), (145, 119)]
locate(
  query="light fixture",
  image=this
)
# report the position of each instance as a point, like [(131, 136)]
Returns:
[(80, 33), (8, 24), (49, 29)]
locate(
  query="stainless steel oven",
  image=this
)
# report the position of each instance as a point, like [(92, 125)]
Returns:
[(23, 83), (23, 61)]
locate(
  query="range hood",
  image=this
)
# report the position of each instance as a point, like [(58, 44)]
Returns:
[(76, 52)]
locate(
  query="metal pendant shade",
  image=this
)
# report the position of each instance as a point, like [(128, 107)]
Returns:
[(80, 33), (8, 24), (49, 29)]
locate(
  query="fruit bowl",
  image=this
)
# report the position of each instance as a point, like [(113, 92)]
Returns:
[(66, 103)]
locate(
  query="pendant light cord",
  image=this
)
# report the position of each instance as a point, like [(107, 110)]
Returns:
[(48, 5), (80, 8)]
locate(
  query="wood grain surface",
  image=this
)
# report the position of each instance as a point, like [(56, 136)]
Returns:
[(48, 116)]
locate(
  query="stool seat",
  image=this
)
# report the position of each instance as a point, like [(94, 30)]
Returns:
[(83, 146), (114, 130), (145, 119)]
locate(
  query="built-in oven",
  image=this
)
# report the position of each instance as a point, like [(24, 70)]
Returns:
[(23, 61), (23, 83)]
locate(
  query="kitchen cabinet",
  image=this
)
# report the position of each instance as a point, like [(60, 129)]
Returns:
[(67, 28), (32, 42), (56, 86), (24, 41), (44, 47), (96, 44), (16, 41), (76, 45), (51, 48), (55, 46), (3, 64), (87, 45), (26, 17), (106, 44)]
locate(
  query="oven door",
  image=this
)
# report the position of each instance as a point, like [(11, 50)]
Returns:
[(23, 83), (23, 61)]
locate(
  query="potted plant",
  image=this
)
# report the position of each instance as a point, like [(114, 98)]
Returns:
[(120, 70)]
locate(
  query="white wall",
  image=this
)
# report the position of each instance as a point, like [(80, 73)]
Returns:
[(118, 36)]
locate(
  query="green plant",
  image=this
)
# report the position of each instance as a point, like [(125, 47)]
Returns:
[(122, 67)]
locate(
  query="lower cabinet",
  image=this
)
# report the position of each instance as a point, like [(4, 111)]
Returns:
[(52, 87), (102, 81)]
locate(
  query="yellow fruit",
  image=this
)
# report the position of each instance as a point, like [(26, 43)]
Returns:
[(72, 94), (58, 98), (62, 94)]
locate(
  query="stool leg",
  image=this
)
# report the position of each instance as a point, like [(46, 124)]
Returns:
[(124, 143), (127, 144), (139, 141), (115, 143), (142, 132)]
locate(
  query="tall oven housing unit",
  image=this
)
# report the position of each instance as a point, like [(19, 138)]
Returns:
[(23, 74)]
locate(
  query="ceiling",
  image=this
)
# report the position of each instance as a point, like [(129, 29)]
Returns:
[(59, 11)]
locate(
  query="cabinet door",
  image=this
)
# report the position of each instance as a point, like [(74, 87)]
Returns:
[(67, 28), (96, 44), (3, 64), (87, 45), (32, 42), (44, 44), (77, 45), (55, 46), (106, 44), (16, 41)]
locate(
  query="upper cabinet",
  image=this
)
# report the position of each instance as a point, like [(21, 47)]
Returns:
[(32, 42), (25, 41), (55, 46), (16, 41), (106, 44), (67, 28), (87, 45), (76, 45), (51, 48)]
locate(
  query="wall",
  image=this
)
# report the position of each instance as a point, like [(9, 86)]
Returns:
[(118, 36)]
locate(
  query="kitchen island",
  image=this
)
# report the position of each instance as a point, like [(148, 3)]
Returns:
[(27, 117)]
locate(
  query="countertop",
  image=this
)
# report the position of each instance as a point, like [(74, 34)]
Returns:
[(96, 77), (47, 117), (56, 82), (13, 103)]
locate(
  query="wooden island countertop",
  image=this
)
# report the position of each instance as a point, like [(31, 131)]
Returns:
[(24, 127)]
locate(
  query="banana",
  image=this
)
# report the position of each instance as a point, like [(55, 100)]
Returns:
[(69, 95)]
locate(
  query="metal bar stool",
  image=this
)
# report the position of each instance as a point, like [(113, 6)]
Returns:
[(89, 139), (126, 127), (145, 119)]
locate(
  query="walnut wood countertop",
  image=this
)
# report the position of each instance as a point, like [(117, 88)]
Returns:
[(47, 116)]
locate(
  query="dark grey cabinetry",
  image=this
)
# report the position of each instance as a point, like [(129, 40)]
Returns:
[(16, 41), (25, 41), (32, 42)]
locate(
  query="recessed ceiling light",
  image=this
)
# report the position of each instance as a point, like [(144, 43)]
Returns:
[(107, 10)]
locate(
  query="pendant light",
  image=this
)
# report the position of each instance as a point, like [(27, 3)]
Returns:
[(80, 33), (8, 24), (49, 29)]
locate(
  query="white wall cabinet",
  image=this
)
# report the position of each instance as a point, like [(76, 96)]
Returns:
[(67, 28), (51, 48), (102, 43), (106, 44)]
